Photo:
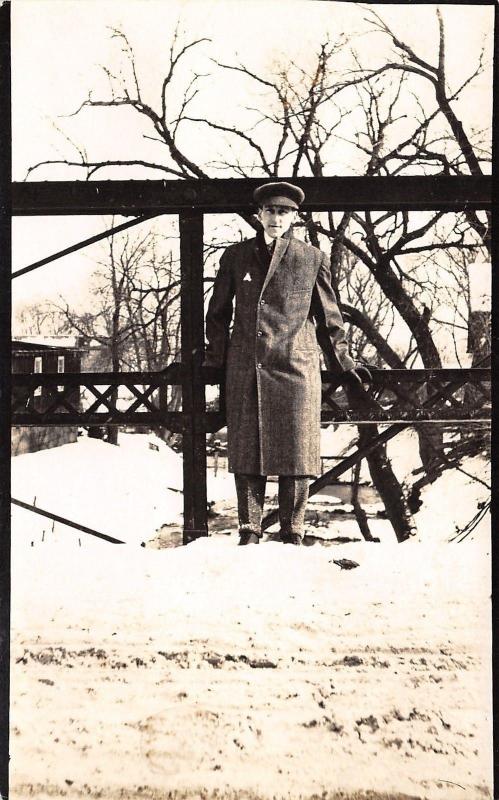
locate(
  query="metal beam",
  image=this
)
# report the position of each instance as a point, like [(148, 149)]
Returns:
[(84, 243), (68, 522), (172, 374), (175, 372), (385, 378), (5, 389), (172, 420), (417, 192), (193, 396)]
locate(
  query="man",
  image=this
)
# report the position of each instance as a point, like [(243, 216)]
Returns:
[(284, 306)]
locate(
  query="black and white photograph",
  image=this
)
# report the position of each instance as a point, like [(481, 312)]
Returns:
[(246, 372)]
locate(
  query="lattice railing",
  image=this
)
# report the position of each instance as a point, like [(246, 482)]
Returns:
[(142, 398), (400, 395)]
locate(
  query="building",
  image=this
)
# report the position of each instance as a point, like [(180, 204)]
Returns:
[(39, 354)]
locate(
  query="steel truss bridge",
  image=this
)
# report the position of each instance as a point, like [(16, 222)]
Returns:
[(407, 397)]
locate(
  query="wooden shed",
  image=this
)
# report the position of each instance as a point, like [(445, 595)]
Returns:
[(33, 355)]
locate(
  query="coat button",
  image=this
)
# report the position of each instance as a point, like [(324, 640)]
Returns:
[(260, 333), (259, 366), (262, 302)]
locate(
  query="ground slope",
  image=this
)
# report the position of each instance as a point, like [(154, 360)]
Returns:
[(259, 672)]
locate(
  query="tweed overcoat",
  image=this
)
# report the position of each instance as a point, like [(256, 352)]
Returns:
[(272, 380)]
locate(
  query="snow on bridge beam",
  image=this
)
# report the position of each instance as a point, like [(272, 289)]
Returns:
[(233, 195)]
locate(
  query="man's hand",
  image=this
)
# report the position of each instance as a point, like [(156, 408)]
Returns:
[(354, 381)]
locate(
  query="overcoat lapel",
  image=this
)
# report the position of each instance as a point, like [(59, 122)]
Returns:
[(281, 245)]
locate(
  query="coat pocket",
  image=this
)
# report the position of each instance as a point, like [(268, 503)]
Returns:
[(306, 344)]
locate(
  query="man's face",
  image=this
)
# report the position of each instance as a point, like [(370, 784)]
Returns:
[(276, 218)]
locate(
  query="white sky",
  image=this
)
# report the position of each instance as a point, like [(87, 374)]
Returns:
[(58, 46)]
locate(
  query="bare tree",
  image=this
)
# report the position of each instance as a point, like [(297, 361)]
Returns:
[(466, 153), (301, 118), (389, 241), (39, 319), (162, 124)]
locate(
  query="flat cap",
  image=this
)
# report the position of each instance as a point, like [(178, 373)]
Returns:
[(281, 193)]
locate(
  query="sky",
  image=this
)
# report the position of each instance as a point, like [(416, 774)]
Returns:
[(59, 45)]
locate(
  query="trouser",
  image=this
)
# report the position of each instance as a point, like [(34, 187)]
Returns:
[(293, 496)]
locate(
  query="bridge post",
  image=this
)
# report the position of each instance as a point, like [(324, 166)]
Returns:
[(5, 390), (193, 396)]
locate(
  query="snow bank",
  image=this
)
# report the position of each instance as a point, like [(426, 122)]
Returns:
[(267, 668), (127, 491), (453, 500), (132, 490)]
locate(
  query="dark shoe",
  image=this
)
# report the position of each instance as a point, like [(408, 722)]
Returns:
[(275, 537), (248, 538), (292, 538)]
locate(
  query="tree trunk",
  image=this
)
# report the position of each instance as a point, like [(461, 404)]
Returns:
[(431, 452), (112, 430), (382, 475), (417, 321), (170, 437), (388, 486), (361, 321), (360, 514), (430, 436)]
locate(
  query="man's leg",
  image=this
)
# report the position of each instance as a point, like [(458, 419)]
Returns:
[(293, 496), (250, 499)]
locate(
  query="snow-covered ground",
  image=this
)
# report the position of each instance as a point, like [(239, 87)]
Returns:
[(127, 492), (217, 669)]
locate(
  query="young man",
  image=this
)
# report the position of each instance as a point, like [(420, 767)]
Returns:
[(284, 306)]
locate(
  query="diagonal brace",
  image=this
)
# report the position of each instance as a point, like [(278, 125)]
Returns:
[(65, 521), (84, 243)]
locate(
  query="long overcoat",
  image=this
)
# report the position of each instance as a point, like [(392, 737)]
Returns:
[(273, 385)]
